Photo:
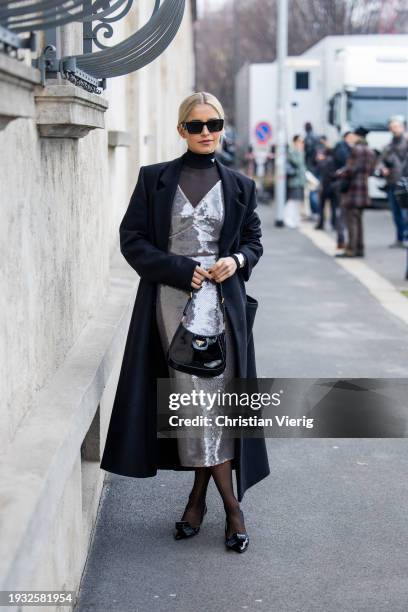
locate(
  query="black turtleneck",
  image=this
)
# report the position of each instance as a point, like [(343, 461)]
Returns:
[(198, 160), (199, 173)]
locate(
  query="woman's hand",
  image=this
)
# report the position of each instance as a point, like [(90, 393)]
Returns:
[(222, 269), (198, 276)]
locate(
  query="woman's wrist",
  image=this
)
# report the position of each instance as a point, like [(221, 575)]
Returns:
[(239, 258)]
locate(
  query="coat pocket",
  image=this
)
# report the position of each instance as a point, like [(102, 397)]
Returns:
[(251, 308)]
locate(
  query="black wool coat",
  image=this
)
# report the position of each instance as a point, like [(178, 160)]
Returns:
[(132, 447)]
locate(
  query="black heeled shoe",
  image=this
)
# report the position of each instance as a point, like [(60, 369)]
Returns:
[(185, 530), (237, 541)]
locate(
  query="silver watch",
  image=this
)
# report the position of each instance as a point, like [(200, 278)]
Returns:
[(241, 259)]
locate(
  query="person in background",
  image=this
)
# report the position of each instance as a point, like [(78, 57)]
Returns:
[(342, 150), (269, 171), (296, 182), (323, 142), (250, 165), (326, 172), (313, 183), (354, 187), (402, 201), (311, 145), (392, 161), (270, 160), (341, 153)]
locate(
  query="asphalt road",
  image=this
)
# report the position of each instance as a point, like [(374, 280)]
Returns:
[(328, 527)]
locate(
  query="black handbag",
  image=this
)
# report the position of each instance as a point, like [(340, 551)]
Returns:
[(197, 354), (401, 192)]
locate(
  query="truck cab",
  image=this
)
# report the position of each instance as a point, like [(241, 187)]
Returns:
[(372, 108)]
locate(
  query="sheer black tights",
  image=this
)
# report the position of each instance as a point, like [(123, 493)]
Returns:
[(222, 475), (196, 499)]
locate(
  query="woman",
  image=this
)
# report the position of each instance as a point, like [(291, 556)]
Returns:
[(190, 225), (296, 182)]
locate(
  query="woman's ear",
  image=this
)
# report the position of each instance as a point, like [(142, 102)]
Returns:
[(181, 131)]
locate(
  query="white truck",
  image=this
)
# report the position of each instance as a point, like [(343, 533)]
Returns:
[(340, 83)]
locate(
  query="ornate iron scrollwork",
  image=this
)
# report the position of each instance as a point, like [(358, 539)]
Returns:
[(28, 15), (91, 69), (105, 24), (140, 48)]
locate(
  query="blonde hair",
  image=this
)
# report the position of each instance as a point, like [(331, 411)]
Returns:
[(200, 97)]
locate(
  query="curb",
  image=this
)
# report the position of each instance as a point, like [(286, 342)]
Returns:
[(388, 296)]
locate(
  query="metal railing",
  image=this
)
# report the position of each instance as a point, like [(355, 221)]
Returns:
[(91, 68)]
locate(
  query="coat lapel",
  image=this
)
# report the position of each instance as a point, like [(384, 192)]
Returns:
[(234, 207), (166, 190)]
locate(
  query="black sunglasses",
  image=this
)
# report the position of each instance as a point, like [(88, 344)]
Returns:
[(196, 127)]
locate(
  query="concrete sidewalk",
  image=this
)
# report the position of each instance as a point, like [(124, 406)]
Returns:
[(328, 527), (379, 233)]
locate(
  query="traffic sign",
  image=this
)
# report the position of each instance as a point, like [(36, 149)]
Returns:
[(263, 132)]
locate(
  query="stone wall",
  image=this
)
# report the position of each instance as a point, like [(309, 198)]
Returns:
[(66, 293)]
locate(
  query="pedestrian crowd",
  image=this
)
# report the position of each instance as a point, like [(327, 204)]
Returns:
[(338, 177)]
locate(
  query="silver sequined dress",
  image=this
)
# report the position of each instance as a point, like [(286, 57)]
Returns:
[(194, 232)]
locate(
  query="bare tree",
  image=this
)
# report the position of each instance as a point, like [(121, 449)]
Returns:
[(245, 31)]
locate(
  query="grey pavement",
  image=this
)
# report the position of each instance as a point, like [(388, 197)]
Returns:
[(328, 526), (379, 233)]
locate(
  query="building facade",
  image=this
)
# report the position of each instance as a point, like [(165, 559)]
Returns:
[(69, 163)]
